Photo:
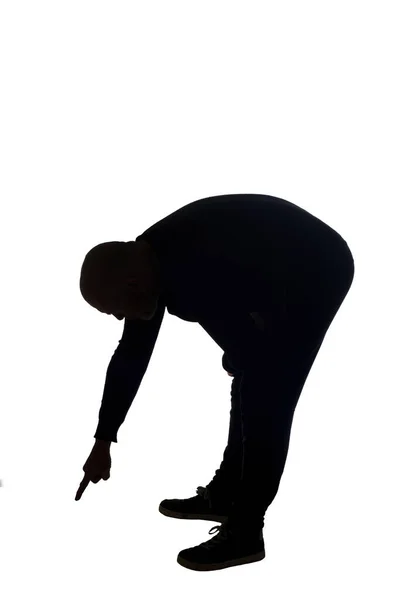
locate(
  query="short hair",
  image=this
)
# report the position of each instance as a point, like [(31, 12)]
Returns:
[(103, 271)]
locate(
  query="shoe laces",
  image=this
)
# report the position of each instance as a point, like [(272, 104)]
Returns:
[(223, 530), (224, 533)]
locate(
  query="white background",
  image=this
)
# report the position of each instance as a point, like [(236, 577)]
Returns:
[(113, 115)]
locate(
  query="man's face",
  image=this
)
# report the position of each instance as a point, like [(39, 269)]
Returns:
[(134, 303)]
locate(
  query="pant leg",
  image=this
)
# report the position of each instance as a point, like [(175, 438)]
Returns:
[(275, 361), (269, 397), (223, 487), (224, 484)]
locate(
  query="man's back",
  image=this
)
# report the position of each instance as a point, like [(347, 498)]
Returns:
[(219, 257)]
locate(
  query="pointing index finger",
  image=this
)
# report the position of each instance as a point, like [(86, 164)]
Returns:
[(82, 487)]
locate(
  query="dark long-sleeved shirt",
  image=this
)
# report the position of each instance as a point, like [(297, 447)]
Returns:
[(218, 257)]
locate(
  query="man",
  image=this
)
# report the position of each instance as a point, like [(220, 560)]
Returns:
[(265, 279)]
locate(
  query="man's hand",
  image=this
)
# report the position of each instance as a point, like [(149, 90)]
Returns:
[(97, 466)]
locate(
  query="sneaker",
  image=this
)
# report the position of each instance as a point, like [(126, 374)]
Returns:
[(197, 507), (233, 546)]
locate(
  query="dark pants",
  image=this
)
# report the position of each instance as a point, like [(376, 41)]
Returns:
[(270, 353)]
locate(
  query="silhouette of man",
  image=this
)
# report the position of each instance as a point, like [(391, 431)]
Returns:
[(264, 278)]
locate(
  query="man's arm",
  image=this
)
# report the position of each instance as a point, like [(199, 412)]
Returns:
[(105, 443), (125, 373)]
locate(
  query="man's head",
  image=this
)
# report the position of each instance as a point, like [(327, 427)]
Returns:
[(122, 279)]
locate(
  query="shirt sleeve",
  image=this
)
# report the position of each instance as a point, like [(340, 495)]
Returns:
[(125, 373)]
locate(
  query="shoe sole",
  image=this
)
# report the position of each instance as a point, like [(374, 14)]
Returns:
[(245, 560), (179, 515)]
